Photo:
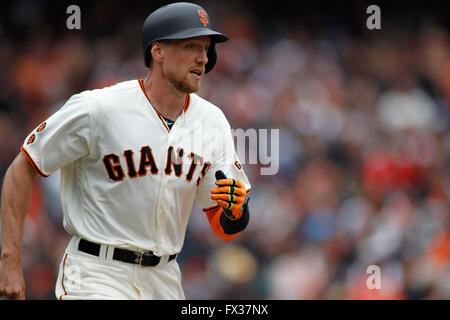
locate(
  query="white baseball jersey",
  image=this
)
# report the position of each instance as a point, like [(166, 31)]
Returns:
[(128, 180)]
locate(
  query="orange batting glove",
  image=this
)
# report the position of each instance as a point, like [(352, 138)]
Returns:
[(230, 194)]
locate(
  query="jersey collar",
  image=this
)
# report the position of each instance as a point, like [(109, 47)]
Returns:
[(185, 108)]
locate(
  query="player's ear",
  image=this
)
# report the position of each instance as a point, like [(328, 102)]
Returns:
[(156, 51)]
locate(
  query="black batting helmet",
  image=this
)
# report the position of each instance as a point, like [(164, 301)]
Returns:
[(181, 20)]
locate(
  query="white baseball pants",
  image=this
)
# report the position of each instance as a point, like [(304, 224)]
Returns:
[(84, 276)]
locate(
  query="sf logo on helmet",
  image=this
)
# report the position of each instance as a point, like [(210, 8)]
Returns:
[(203, 17)]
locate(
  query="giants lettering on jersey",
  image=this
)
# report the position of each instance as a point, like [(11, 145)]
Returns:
[(147, 164)]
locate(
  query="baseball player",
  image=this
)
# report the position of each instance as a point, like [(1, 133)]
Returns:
[(133, 158)]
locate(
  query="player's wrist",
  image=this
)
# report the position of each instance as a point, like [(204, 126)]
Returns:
[(232, 226), (11, 258)]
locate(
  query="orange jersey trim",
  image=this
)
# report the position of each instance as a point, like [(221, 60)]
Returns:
[(187, 102), (62, 280), (141, 84), (213, 215), (33, 163)]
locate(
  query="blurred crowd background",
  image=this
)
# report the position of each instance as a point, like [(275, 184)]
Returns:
[(363, 117)]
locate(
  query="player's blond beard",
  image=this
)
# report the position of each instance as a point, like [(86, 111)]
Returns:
[(181, 85)]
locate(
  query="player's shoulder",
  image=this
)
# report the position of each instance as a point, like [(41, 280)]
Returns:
[(107, 96), (207, 110), (120, 88), (106, 99)]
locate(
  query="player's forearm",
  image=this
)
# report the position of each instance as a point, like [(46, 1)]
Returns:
[(16, 193)]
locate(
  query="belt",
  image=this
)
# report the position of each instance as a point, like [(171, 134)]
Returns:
[(145, 259)]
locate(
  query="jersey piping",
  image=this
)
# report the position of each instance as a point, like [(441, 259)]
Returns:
[(161, 117)]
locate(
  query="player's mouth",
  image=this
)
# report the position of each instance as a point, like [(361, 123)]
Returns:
[(196, 73)]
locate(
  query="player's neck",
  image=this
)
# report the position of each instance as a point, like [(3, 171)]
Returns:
[(166, 100)]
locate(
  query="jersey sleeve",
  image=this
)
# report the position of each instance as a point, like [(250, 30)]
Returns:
[(227, 160), (61, 139)]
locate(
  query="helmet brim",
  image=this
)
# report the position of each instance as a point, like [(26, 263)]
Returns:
[(216, 37)]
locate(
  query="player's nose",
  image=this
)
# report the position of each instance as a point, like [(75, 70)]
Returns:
[(203, 57)]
